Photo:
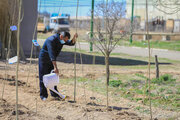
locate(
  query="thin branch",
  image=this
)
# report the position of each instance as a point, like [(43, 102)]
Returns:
[(22, 13), (99, 41), (116, 43), (173, 9), (103, 49)]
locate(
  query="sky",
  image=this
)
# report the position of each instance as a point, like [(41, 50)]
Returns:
[(68, 6)]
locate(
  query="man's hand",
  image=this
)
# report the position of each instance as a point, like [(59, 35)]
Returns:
[(56, 71), (75, 37), (55, 67)]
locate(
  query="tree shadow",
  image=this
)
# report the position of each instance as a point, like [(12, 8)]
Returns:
[(68, 57), (110, 107), (2, 67)]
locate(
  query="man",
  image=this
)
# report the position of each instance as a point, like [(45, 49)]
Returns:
[(47, 58)]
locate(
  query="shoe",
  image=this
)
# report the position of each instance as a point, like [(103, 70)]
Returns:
[(63, 99), (43, 98), (56, 98)]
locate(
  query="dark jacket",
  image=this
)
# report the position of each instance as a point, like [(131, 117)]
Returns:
[(51, 48)]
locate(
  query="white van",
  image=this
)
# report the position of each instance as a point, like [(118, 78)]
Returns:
[(59, 23)]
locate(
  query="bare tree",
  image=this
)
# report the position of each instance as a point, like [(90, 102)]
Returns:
[(8, 39), (4, 20), (110, 29), (116, 30), (167, 6)]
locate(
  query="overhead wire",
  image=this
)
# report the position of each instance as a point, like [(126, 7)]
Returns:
[(68, 3)]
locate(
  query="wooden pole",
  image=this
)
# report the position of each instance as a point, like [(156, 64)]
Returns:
[(5, 75), (30, 64), (157, 67), (18, 46), (149, 62), (36, 80), (75, 55)]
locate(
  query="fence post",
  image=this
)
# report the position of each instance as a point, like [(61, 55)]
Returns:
[(157, 67)]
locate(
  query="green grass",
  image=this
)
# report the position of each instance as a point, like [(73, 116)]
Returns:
[(170, 45), (142, 109), (178, 90), (81, 79), (141, 75), (115, 83), (43, 35), (165, 90), (173, 118), (164, 79), (169, 91), (162, 90), (133, 87)]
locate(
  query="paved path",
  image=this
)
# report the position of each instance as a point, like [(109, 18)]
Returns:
[(135, 51)]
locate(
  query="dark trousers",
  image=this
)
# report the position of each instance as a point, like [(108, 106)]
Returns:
[(45, 68)]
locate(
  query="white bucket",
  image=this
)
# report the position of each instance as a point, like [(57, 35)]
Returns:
[(51, 80)]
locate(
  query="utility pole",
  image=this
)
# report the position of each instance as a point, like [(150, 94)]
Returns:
[(132, 19), (92, 19)]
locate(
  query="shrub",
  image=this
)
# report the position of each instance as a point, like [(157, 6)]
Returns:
[(115, 83), (178, 91), (162, 89), (164, 79), (169, 91)]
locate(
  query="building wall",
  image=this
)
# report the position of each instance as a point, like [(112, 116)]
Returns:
[(28, 24)]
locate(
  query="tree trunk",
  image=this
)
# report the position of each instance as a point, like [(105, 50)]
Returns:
[(107, 68), (4, 40), (5, 35), (107, 78)]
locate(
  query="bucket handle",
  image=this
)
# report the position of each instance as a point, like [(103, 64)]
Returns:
[(52, 71)]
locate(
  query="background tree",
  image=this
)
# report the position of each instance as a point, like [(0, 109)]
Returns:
[(8, 39), (167, 6), (111, 27)]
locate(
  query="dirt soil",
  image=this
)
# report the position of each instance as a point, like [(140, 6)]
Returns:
[(88, 106)]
